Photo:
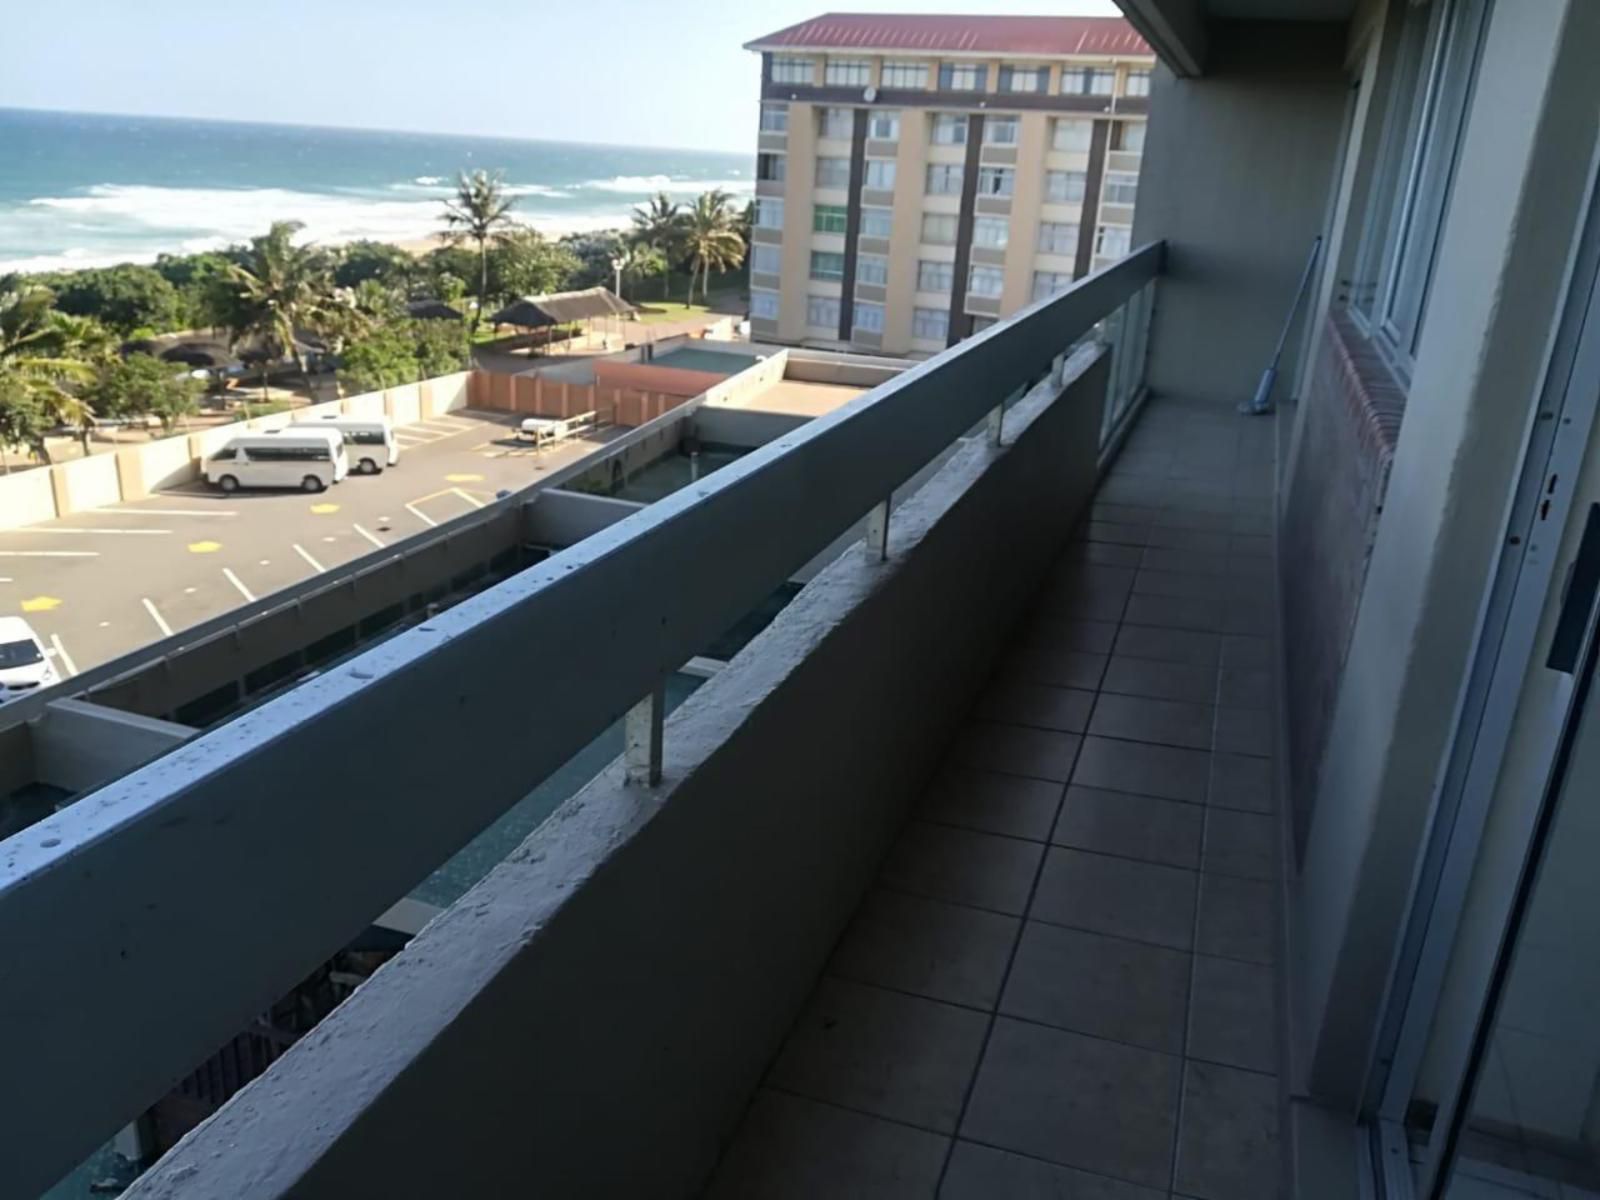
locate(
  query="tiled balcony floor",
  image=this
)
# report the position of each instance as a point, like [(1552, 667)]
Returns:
[(1062, 984)]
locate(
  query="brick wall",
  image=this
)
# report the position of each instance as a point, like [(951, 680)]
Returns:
[(532, 396), (1340, 474)]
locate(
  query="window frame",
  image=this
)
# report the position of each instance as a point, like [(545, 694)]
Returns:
[(922, 232), (883, 164), (827, 276), (999, 175), (812, 303), (831, 210), (1140, 74), (829, 116), (945, 172), (757, 250), (1122, 181), (1087, 126), (953, 121), (942, 268), (803, 68), (1002, 121), (916, 70), (1010, 73), (763, 293), (987, 270), (847, 72), (1054, 290), (1080, 178), (879, 276), (831, 172), (963, 77), (766, 205), (858, 307), (1120, 231), (891, 115), (778, 111), (990, 241), (871, 213), (921, 317), (1048, 239)]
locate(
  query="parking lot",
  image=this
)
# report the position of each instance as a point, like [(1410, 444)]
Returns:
[(101, 583)]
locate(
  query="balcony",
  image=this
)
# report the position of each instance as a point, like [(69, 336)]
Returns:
[(260, 848)]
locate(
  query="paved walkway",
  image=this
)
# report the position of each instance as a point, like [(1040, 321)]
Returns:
[(1063, 983)]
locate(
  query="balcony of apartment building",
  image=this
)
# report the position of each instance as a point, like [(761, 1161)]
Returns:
[(1111, 818)]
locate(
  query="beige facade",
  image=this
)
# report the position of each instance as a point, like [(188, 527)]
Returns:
[(896, 232)]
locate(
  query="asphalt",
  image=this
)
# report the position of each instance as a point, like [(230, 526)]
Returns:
[(99, 584)]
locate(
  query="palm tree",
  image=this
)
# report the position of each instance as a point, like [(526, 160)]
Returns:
[(42, 352), (711, 238), (480, 213), (660, 226), (281, 289)]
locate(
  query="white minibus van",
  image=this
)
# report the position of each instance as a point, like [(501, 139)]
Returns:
[(308, 459), (369, 442)]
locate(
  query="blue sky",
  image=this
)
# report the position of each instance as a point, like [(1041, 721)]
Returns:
[(638, 72)]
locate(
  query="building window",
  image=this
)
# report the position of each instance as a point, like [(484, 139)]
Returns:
[(833, 173), (847, 72), (1088, 81), (1058, 237), (1113, 241), (944, 179), (1023, 79), (1138, 84), (764, 259), (769, 212), (1072, 134), (792, 70), (764, 305), (1063, 187), (822, 312), (828, 218), (1128, 136), (837, 123), (905, 75), (993, 232), (1436, 60), (996, 181), (986, 281), (1000, 131), (772, 167), (877, 222), (880, 174), (935, 276), (962, 77), (979, 324), (872, 268), (930, 324), (949, 129), (827, 266), (939, 229), (1049, 283), (774, 118), (867, 318), (884, 125), (1122, 187)]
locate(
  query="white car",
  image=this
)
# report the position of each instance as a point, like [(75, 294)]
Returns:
[(25, 664)]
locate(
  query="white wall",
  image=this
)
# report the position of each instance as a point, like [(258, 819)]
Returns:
[(26, 498)]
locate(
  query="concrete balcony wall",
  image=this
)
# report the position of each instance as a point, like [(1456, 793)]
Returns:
[(1236, 175), (591, 1019)]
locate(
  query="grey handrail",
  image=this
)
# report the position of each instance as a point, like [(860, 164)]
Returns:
[(267, 843)]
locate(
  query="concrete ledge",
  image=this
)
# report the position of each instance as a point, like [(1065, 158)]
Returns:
[(592, 1017)]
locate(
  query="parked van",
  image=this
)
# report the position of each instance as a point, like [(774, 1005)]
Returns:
[(308, 459), (25, 664), (368, 442)]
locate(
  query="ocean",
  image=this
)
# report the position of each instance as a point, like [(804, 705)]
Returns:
[(83, 190)]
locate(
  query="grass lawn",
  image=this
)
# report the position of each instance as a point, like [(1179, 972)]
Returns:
[(676, 310)]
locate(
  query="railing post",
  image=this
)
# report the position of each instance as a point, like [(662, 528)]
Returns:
[(997, 423), (877, 539), (642, 735), (1058, 371)]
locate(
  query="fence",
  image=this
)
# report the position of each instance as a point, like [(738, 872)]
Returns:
[(133, 472)]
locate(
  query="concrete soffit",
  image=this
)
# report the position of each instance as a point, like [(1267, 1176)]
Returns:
[(1176, 29)]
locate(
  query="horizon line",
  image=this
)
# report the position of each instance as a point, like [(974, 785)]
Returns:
[(8, 106)]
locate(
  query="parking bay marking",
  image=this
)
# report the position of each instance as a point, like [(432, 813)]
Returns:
[(155, 615), (303, 553), (61, 653), (238, 583)]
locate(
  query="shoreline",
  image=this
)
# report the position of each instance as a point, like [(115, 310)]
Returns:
[(65, 262)]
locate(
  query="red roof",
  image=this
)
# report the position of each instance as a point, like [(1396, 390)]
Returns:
[(1025, 36)]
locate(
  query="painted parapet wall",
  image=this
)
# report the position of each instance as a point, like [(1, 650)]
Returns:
[(133, 472), (642, 955)]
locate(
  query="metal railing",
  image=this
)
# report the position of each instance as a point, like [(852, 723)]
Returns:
[(145, 925)]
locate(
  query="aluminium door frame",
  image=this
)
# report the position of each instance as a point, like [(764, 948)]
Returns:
[(1560, 426)]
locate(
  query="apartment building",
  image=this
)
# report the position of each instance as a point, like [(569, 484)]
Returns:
[(919, 177)]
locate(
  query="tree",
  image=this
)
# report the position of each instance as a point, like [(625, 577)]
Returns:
[(710, 239), (22, 417), (201, 284), (441, 348), (594, 252), (381, 262), (524, 263), (280, 289), (660, 226), (141, 385), (403, 352), (480, 213), (40, 356), (126, 298)]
